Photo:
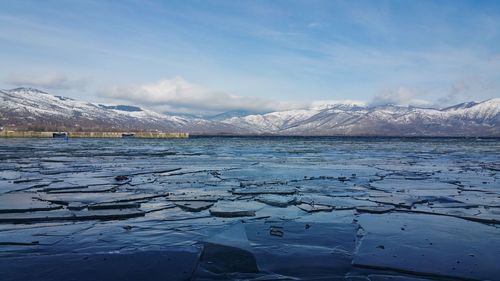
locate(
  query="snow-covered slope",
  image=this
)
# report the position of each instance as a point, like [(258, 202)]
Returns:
[(468, 119), (486, 111), (27, 108), (31, 109)]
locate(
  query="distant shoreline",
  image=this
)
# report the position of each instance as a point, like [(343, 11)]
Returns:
[(55, 134), (338, 136), (182, 135)]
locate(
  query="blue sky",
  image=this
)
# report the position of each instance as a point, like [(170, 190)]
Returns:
[(213, 56)]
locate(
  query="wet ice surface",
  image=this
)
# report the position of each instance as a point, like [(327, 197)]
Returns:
[(250, 209)]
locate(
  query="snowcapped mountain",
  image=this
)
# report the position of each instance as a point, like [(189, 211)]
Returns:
[(31, 109), (467, 119)]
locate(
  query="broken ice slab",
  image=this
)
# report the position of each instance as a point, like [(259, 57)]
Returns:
[(101, 197), (87, 189), (9, 186), (340, 203), (194, 206), (276, 200), (62, 186), (480, 198), (375, 209), (119, 205), (87, 198), (255, 183), (156, 205), (221, 259), (137, 172), (68, 170), (333, 191), (312, 208), (173, 215), (306, 250), (395, 199), (195, 196), (280, 190), (427, 245), (76, 206), (229, 209), (212, 199), (25, 180), (140, 197), (10, 175), (23, 202), (226, 252), (226, 213), (482, 215), (395, 185), (142, 179), (66, 215), (445, 202), (88, 179)]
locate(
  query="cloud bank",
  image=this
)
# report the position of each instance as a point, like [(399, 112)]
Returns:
[(176, 93), (400, 96), (46, 81)]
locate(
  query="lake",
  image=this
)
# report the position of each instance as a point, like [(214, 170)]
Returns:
[(250, 208)]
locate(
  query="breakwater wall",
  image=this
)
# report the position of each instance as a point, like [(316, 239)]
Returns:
[(141, 135)]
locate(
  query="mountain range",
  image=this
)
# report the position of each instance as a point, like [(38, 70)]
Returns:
[(32, 109)]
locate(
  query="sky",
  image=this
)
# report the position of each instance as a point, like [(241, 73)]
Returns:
[(206, 57)]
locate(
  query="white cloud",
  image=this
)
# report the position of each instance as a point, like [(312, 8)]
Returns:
[(313, 24), (177, 93), (466, 89), (319, 104), (45, 81), (401, 96)]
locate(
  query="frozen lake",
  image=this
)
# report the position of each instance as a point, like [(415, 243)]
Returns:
[(250, 209)]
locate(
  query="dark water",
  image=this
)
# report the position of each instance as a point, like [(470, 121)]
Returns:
[(250, 209)]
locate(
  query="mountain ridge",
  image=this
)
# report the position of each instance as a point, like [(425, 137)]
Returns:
[(32, 109)]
